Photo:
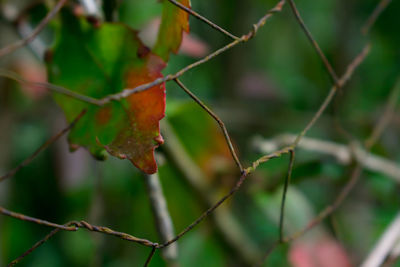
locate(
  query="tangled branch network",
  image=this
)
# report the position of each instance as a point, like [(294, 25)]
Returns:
[(337, 83)]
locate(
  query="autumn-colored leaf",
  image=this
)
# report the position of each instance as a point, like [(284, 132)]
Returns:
[(102, 61), (174, 21)]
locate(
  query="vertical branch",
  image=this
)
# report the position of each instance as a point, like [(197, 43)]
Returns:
[(162, 217), (285, 188)]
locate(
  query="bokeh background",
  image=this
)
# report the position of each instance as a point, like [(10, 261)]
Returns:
[(269, 86)]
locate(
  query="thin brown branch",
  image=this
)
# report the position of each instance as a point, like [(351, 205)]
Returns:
[(148, 260), (273, 155), (222, 200), (386, 117), (23, 217), (314, 43), (343, 193), (108, 231), (261, 22), (226, 223), (285, 188), (34, 247), (356, 172), (42, 147), (55, 88), (217, 119), (321, 216), (72, 226), (127, 92), (208, 211), (346, 76), (355, 176), (21, 43), (375, 14), (75, 225), (331, 208), (205, 20)]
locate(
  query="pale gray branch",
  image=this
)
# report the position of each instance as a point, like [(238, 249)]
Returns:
[(92, 7), (344, 154), (385, 245), (162, 217)]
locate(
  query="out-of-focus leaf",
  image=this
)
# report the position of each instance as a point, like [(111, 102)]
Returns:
[(101, 61), (174, 22), (201, 136)]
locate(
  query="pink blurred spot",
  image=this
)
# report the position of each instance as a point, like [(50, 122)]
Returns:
[(324, 253), (32, 72), (191, 45)]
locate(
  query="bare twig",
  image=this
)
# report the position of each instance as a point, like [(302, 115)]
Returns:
[(342, 195), (217, 119), (127, 92), (343, 80), (21, 43), (71, 226), (38, 244), (285, 188), (331, 208), (350, 69), (150, 257), (234, 189), (74, 225), (208, 211), (273, 155), (224, 220), (356, 173), (205, 20), (321, 54), (375, 14), (162, 217), (23, 217), (55, 88), (42, 147), (387, 116)]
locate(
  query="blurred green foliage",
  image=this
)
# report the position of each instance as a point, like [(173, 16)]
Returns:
[(265, 87)]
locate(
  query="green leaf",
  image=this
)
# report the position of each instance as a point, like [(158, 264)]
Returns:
[(98, 61), (174, 21)]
